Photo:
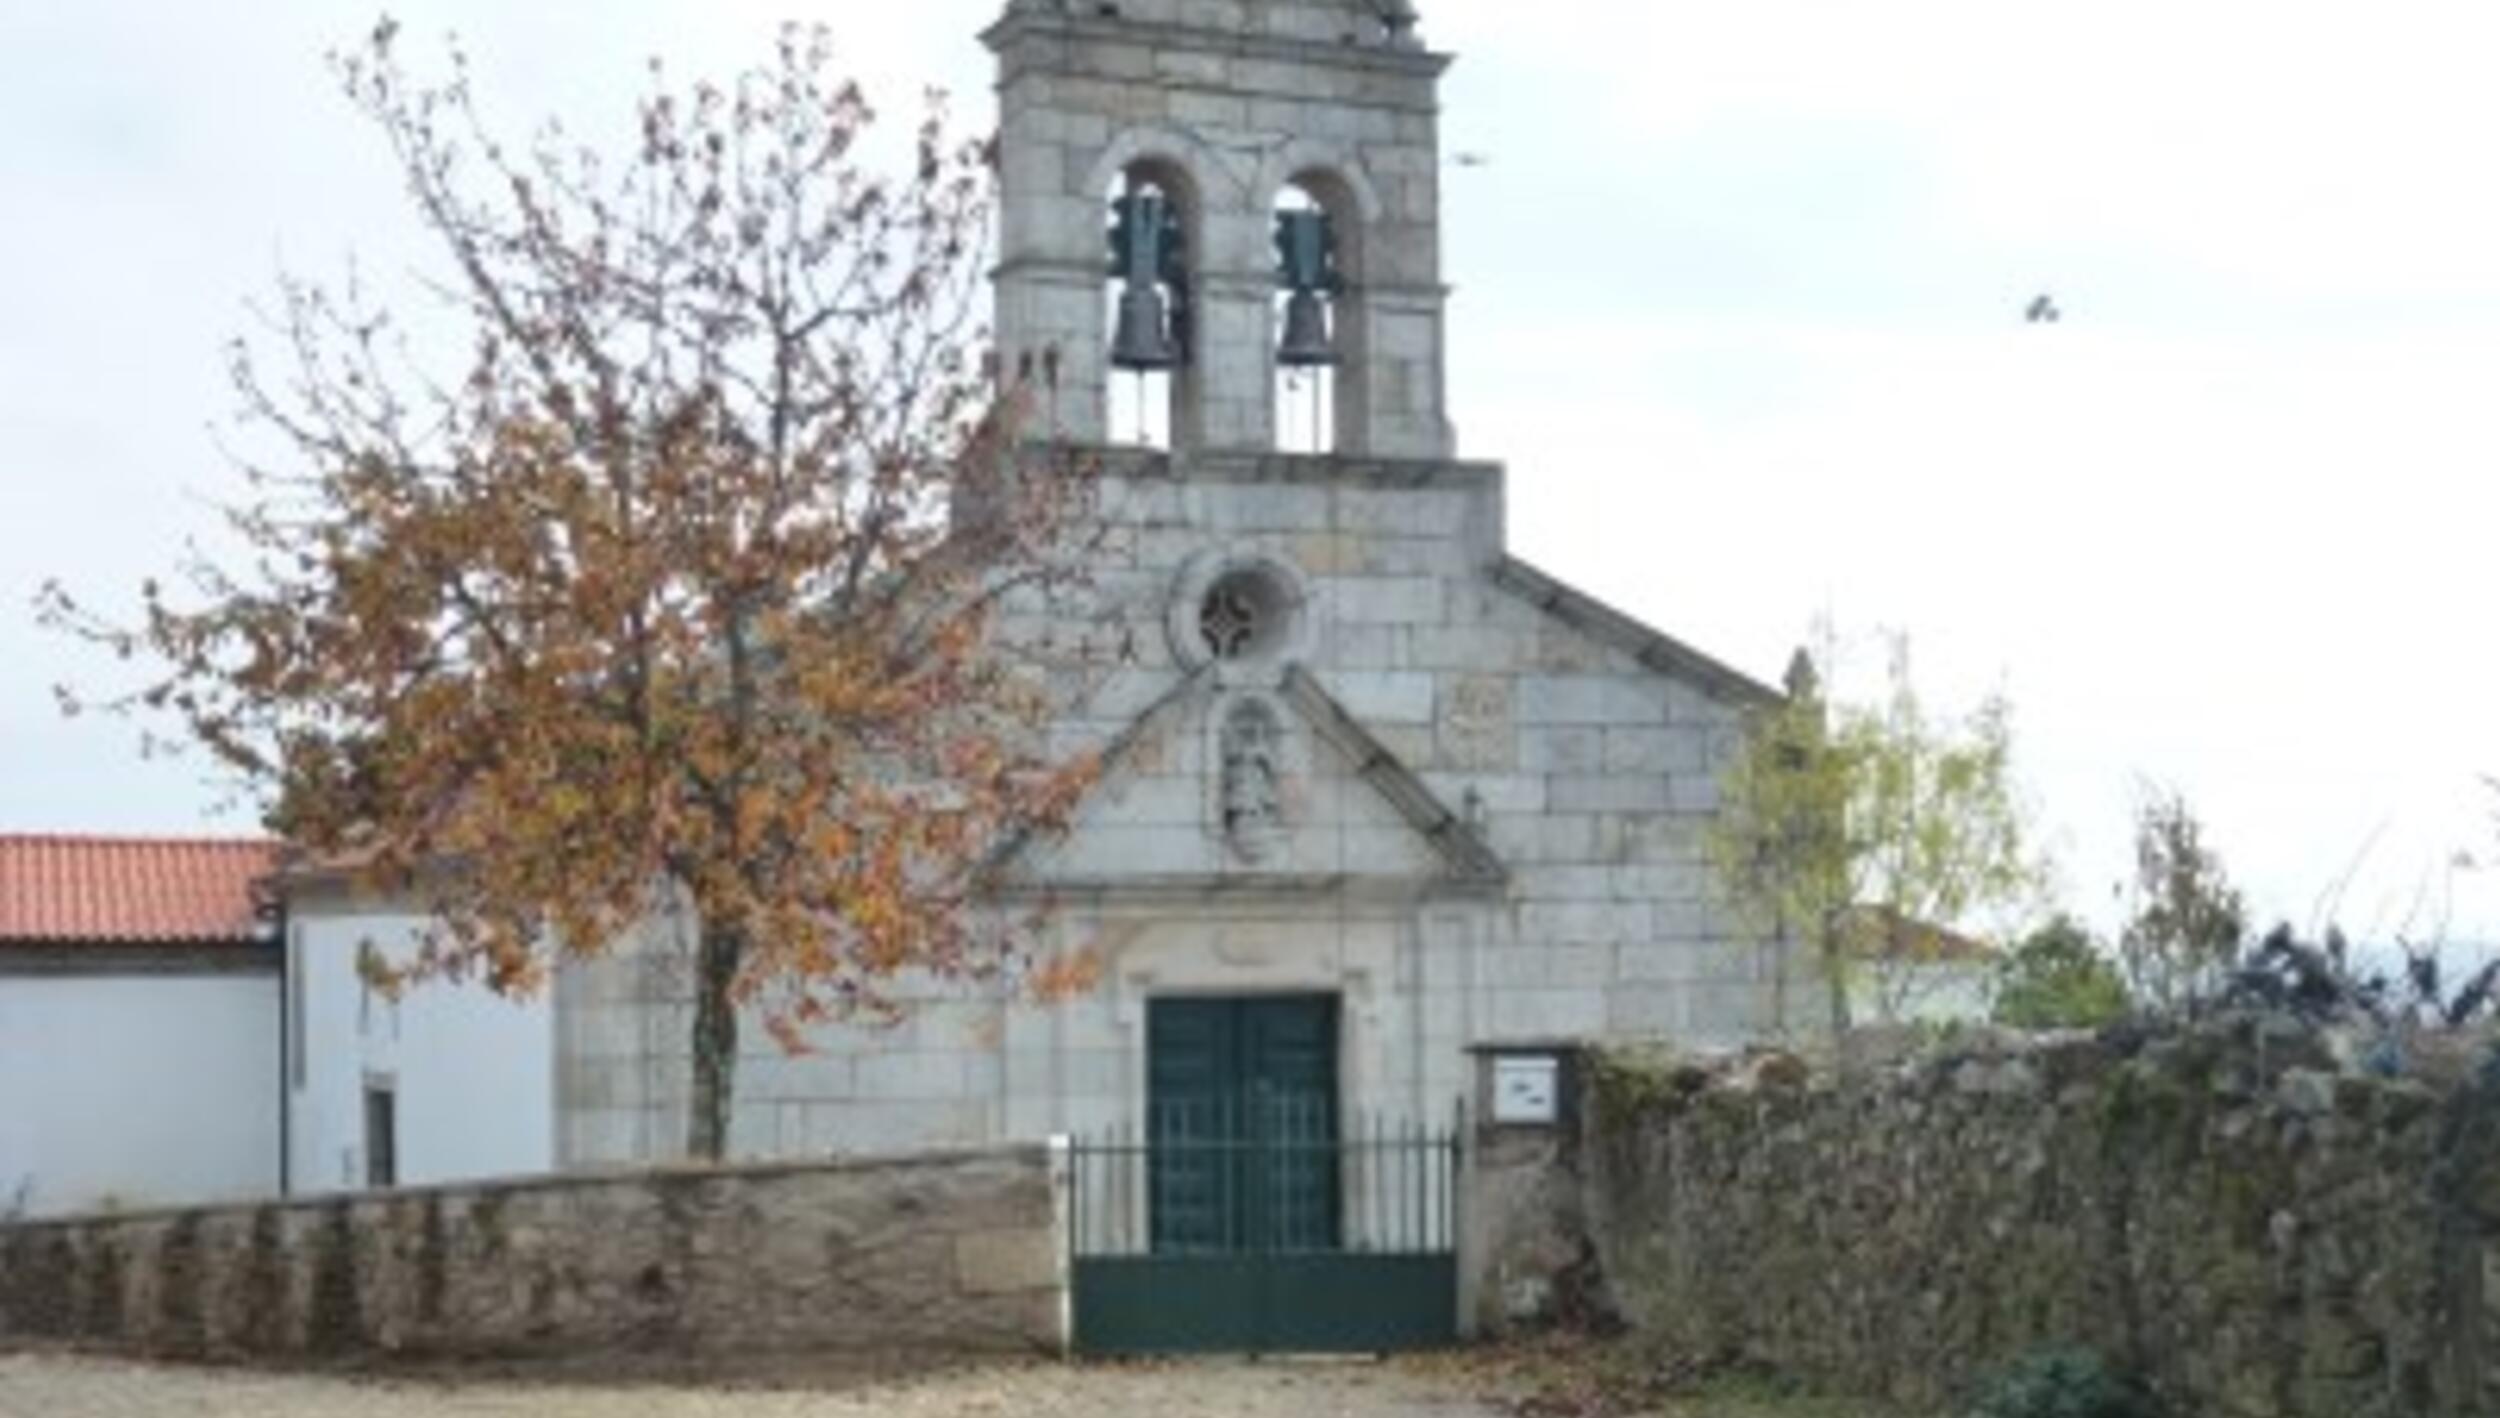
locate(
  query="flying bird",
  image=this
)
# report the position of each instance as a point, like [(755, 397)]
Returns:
[(2042, 311)]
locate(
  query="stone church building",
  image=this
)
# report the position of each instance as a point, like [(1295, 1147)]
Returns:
[(1377, 798)]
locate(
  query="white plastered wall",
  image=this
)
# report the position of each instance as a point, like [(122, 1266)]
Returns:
[(473, 1072), (137, 1089)]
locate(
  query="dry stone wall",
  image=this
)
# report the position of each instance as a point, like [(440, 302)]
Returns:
[(940, 1252), (2258, 1232)]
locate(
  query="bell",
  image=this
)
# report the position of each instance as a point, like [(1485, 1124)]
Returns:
[(1141, 343), (1306, 344)]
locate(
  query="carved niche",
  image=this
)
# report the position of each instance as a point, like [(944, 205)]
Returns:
[(1250, 791)]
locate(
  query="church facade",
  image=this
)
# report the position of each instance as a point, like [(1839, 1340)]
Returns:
[(1377, 796), (1370, 783)]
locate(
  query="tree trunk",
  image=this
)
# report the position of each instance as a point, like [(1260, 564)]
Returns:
[(715, 1044), (1783, 947), (1836, 978)]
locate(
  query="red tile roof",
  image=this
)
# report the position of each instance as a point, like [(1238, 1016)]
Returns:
[(57, 890), (1880, 933)]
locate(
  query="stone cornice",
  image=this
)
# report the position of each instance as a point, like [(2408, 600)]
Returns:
[(1653, 648), (1470, 858), (1205, 465), (1022, 23)]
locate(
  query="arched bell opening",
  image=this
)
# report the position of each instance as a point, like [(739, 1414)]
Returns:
[(1317, 349), (1152, 227)]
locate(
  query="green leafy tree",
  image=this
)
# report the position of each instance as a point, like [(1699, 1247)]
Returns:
[(2189, 922), (2059, 978), (1872, 835)]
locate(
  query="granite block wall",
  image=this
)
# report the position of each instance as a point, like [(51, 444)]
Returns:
[(1581, 752)]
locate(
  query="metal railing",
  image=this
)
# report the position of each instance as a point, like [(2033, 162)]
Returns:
[(1279, 1175)]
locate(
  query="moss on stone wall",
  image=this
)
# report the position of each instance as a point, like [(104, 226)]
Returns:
[(45, 1292), (106, 1286), (261, 1285), (335, 1323), (433, 1260), (181, 1279)]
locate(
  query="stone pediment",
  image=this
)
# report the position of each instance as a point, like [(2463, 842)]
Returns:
[(1218, 788)]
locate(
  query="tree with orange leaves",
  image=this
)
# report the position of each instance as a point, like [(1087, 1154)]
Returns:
[(685, 593)]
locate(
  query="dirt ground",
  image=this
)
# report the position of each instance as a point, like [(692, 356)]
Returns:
[(58, 1386), (1556, 1378)]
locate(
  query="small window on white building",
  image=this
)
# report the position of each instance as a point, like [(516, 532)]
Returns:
[(381, 1135)]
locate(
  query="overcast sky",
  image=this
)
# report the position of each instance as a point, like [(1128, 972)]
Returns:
[(1739, 300)]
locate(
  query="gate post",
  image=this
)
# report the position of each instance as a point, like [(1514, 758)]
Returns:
[(1523, 1228), (1063, 1234)]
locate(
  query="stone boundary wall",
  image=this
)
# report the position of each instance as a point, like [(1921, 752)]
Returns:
[(931, 1252), (2256, 1229)]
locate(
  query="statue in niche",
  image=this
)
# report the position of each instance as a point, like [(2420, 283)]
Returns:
[(1253, 777)]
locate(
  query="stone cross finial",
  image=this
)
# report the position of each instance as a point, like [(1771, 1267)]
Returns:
[(1399, 19), (1803, 682)]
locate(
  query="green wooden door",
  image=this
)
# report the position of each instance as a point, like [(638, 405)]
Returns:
[(1256, 1077)]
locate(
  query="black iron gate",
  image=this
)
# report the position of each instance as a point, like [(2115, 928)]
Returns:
[(1265, 1229)]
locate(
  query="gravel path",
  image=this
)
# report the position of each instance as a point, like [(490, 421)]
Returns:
[(57, 1387)]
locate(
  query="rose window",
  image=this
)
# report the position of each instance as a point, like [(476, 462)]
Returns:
[(1243, 616)]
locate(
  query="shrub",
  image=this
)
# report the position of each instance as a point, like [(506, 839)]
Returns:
[(2059, 978), (2061, 1383)]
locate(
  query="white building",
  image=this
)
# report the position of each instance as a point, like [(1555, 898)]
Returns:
[(446, 1081), (168, 1037), (139, 1044)]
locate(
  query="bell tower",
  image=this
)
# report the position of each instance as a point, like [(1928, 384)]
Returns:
[(1213, 198)]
